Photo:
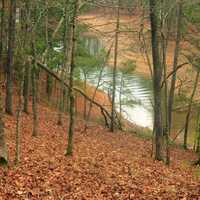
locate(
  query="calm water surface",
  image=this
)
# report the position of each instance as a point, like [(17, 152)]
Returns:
[(137, 95)]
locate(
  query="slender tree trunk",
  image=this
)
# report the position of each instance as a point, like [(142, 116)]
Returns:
[(25, 25), (187, 120), (2, 29), (3, 146), (197, 143), (166, 129), (176, 56), (10, 58), (61, 105), (85, 100), (26, 88), (19, 113), (65, 67), (112, 126), (120, 98), (157, 75), (49, 87), (164, 47), (97, 87), (71, 81), (34, 102), (34, 75), (34, 92)]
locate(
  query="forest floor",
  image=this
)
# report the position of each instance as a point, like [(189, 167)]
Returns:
[(104, 166)]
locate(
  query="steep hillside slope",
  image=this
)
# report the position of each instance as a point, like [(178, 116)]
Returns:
[(104, 165)]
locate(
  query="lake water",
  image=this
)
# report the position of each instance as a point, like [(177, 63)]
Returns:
[(136, 91), (136, 96)]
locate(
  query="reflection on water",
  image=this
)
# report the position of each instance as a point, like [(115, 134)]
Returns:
[(178, 124), (137, 96), (136, 91)]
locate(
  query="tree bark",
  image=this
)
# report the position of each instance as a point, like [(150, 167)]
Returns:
[(2, 29), (85, 100), (26, 88), (49, 85), (112, 125), (10, 58), (187, 120), (176, 56), (71, 81), (34, 93), (3, 146), (197, 143), (19, 113), (157, 75)]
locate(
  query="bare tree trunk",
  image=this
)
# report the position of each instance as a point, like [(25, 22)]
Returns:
[(3, 146), (176, 56), (61, 105), (11, 46), (19, 113), (49, 85), (120, 98), (26, 88), (71, 81), (34, 93), (2, 28), (166, 129), (187, 120), (85, 100), (67, 43), (197, 143), (34, 103), (112, 125), (157, 75), (97, 86)]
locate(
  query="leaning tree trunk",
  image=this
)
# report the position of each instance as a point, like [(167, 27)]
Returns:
[(10, 64), (71, 81), (157, 76), (187, 120)]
